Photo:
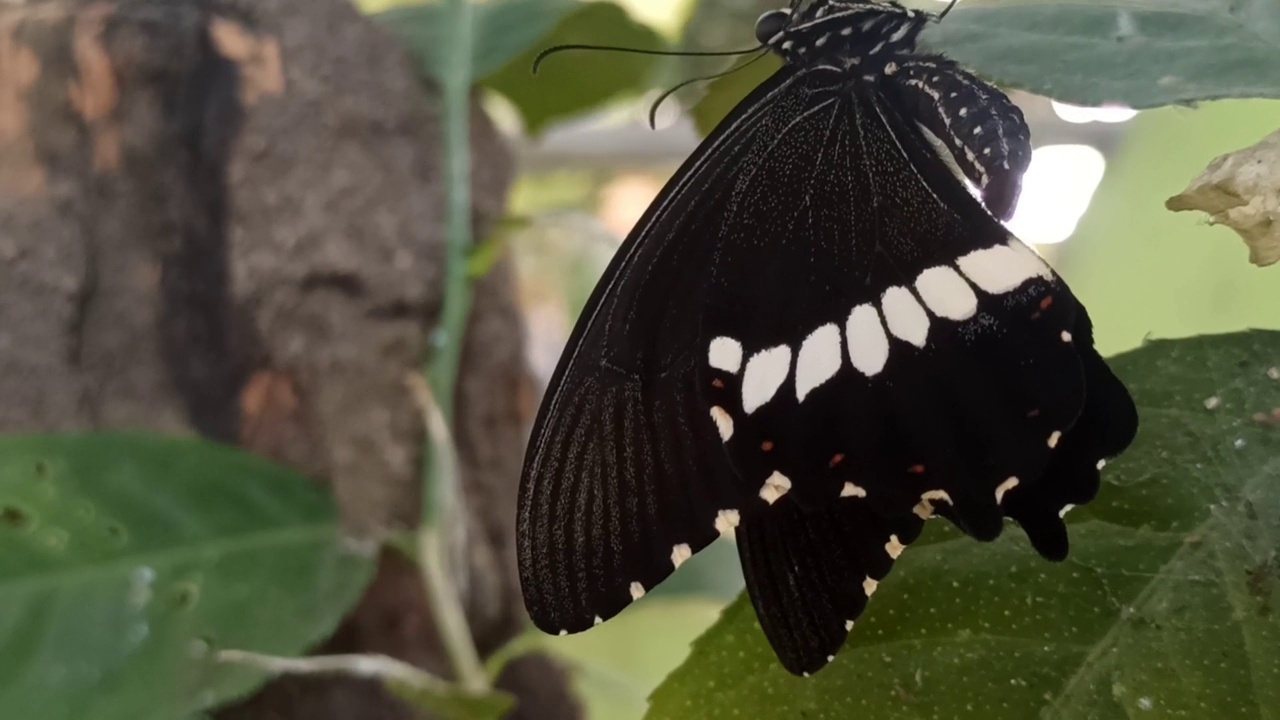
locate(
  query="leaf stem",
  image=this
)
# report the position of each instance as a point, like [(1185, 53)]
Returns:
[(441, 480)]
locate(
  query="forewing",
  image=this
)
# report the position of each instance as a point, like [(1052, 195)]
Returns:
[(625, 477)]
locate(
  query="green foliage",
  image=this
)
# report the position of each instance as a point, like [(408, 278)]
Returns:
[(726, 92), (450, 702), (1143, 270), (1169, 603), (572, 83), (509, 34), (1133, 52), (126, 561), (502, 30)]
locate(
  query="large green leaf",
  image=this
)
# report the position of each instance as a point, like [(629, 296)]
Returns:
[(572, 83), (502, 30), (1169, 605), (124, 561), (1133, 52)]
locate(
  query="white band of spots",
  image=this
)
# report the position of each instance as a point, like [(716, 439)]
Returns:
[(1002, 268), (819, 359), (765, 373), (946, 293), (725, 354), (868, 345), (904, 316)]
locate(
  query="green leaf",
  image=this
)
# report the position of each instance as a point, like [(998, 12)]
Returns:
[(726, 92), (125, 561), (1169, 605), (503, 29), (571, 83), (1131, 52), (452, 702)]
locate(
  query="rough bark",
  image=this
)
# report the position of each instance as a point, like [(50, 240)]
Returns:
[(225, 218)]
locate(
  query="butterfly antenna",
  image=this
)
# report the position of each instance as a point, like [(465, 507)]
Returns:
[(946, 10), (653, 110), (537, 62)]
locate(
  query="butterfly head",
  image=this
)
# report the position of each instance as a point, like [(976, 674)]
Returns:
[(848, 34)]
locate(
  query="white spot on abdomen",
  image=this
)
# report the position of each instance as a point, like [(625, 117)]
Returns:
[(1002, 268), (765, 373), (868, 345), (680, 553), (904, 316), (725, 354), (818, 360), (946, 293), (775, 486), (724, 423), (851, 490)]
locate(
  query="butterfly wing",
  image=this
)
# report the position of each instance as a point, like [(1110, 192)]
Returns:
[(818, 334), (625, 476)]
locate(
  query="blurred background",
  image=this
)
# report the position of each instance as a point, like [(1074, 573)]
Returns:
[(589, 165)]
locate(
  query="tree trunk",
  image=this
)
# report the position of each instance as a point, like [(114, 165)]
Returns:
[(224, 218)]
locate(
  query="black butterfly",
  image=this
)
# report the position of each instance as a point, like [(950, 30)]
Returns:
[(818, 336)]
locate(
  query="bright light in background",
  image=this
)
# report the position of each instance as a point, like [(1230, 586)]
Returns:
[(1056, 191), (1106, 114)]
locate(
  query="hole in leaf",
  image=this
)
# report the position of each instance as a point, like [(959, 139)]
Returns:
[(17, 518), (186, 595)]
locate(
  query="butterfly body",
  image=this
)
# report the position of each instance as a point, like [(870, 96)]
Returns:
[(817, 337)]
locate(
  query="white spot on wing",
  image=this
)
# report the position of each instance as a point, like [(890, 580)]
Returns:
[(1003, 268), (946, 293), (869, 586), (680, 553), (775, 486), (563, 633), (894, 547), (725, 354), (1066, 509), (1054, 437), (765, 373), (868, 345), (724, 423), (597, 620), (904, 316), (637, 591), (851, 490), (848, 625), (1102, 463), (818, 360), (727, 520), (1005, 487), (1066, 336)]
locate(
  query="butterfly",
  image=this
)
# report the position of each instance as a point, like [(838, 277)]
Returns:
[(818, 337)]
